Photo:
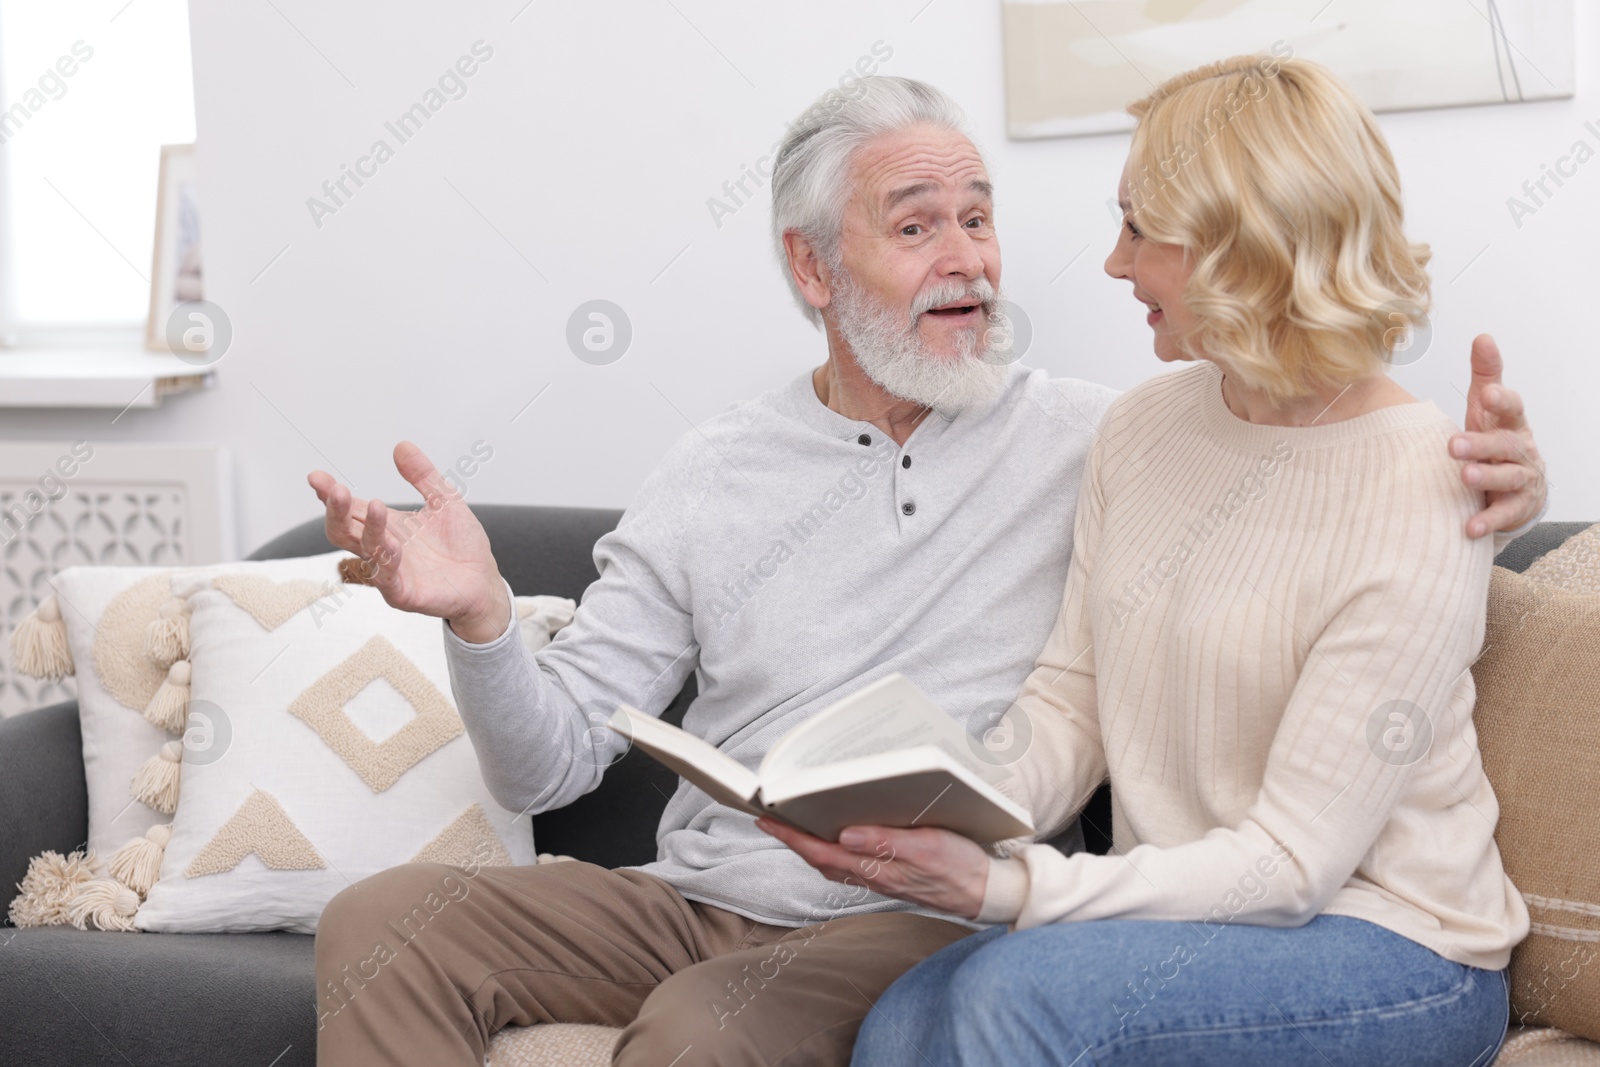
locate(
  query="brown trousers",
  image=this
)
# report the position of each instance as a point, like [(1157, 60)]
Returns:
[(422, 964)]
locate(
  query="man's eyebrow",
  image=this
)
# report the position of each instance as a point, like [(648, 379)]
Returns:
[(907, 192)]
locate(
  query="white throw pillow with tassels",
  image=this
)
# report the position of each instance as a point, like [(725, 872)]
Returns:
[(119, 631), (331, 750), (125, 637), (98, 626), (122, 634)]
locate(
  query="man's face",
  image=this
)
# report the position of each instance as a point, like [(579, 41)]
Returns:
[(919, 221)]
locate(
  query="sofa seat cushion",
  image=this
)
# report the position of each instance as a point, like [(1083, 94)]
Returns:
[(553, 1045), (1540, 1046), (86, 998), (572, 1045)]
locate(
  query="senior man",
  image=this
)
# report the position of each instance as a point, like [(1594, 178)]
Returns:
[(907, 506)]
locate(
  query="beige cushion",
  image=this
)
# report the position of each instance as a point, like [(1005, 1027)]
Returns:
[(1538, 720), (574, 1045), (553, 1045), (1540, 1046), (1575, 566)]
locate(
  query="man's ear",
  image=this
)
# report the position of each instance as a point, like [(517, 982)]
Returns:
[(807, 268)]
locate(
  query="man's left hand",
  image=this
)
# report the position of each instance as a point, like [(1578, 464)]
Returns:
[(932, 867), (1498, 452)]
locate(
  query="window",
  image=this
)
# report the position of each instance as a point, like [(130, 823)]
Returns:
[(90, 93)]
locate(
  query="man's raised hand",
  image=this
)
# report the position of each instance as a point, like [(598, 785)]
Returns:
[(436, 561), (1499, 453)]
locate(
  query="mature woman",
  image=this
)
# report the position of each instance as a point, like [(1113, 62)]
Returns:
[(1265, 641)]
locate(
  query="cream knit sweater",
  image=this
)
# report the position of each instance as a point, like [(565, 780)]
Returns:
[(1265, 641)]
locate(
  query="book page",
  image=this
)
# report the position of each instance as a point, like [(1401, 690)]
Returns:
[(889, 715), (721, 777)]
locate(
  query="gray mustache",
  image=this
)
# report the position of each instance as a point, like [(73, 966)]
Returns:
[(978, 292)]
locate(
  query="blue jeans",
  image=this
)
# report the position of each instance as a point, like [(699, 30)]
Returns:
[(1337, 991)]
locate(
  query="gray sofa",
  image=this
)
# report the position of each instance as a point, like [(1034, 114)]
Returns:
[(78, 999)]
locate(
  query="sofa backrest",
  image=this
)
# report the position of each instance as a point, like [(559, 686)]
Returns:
[(551, 551), (540, 550), (1546, 537)]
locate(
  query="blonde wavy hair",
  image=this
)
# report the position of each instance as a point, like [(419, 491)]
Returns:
[(1278, 183)]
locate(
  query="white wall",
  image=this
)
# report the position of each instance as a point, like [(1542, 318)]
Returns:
[(592, 140)]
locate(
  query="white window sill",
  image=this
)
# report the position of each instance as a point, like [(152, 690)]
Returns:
[(95, 376)]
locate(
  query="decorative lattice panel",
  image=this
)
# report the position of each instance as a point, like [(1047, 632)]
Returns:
[(142, 510), (111, 525)]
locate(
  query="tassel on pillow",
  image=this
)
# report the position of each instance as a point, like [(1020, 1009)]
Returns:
[(356, 571), (39, 643), (156, 783), (106, 903), (137, 864), (167, 639), (169, 708), (49, 886)]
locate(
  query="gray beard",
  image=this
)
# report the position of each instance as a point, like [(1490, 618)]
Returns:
[(891, 352)]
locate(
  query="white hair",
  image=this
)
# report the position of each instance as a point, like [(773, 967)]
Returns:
[(891, 352), (810, 180)]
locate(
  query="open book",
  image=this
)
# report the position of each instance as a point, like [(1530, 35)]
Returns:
[(884, 756)]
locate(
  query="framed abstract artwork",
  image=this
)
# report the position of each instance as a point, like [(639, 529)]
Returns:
[(1072, 66)]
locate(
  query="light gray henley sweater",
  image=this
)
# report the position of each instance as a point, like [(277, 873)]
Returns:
[(789, 556)]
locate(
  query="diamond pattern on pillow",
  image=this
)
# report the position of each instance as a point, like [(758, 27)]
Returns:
[(379, 763)]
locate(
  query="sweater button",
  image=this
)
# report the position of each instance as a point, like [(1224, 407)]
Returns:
[(905, 461), (864, 439), (908, 508)]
